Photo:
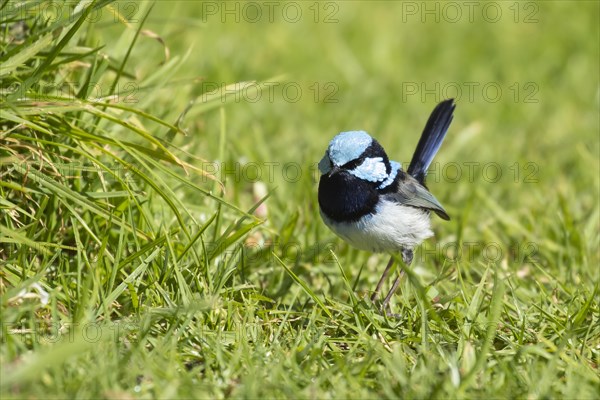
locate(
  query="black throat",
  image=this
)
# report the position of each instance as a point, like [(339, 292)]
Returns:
[(346, 198)]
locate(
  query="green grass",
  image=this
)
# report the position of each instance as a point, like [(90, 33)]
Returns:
[(160, 239)]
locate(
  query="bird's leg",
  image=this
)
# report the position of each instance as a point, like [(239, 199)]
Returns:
[(383, 277), (407, 256)]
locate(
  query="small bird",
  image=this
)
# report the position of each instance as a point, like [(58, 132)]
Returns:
[(371, 203)]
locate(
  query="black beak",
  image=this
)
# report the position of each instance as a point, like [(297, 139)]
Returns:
[(334, 170)]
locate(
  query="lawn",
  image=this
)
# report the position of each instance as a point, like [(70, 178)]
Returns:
[(160, 233)]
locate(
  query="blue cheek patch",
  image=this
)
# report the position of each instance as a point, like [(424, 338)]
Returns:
[(372, 169), (348, 146), (395, 168)]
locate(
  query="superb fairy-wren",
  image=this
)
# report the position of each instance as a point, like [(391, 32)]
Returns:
[(371, 202)]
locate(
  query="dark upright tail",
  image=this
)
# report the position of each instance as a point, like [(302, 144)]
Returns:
[(431, 139)]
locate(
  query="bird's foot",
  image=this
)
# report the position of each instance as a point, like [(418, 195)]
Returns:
[(392, 315)]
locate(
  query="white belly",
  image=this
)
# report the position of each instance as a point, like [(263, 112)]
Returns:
[(392, 227)]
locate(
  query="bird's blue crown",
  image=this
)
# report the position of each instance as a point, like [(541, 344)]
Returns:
[(343, 148), (348, 146)]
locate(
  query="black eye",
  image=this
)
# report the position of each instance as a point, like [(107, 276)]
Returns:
[(352, 164)]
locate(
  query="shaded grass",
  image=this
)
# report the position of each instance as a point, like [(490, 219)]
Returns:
[(132, 268)]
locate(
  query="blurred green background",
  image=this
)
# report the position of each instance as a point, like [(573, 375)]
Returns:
[(525, 79)]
